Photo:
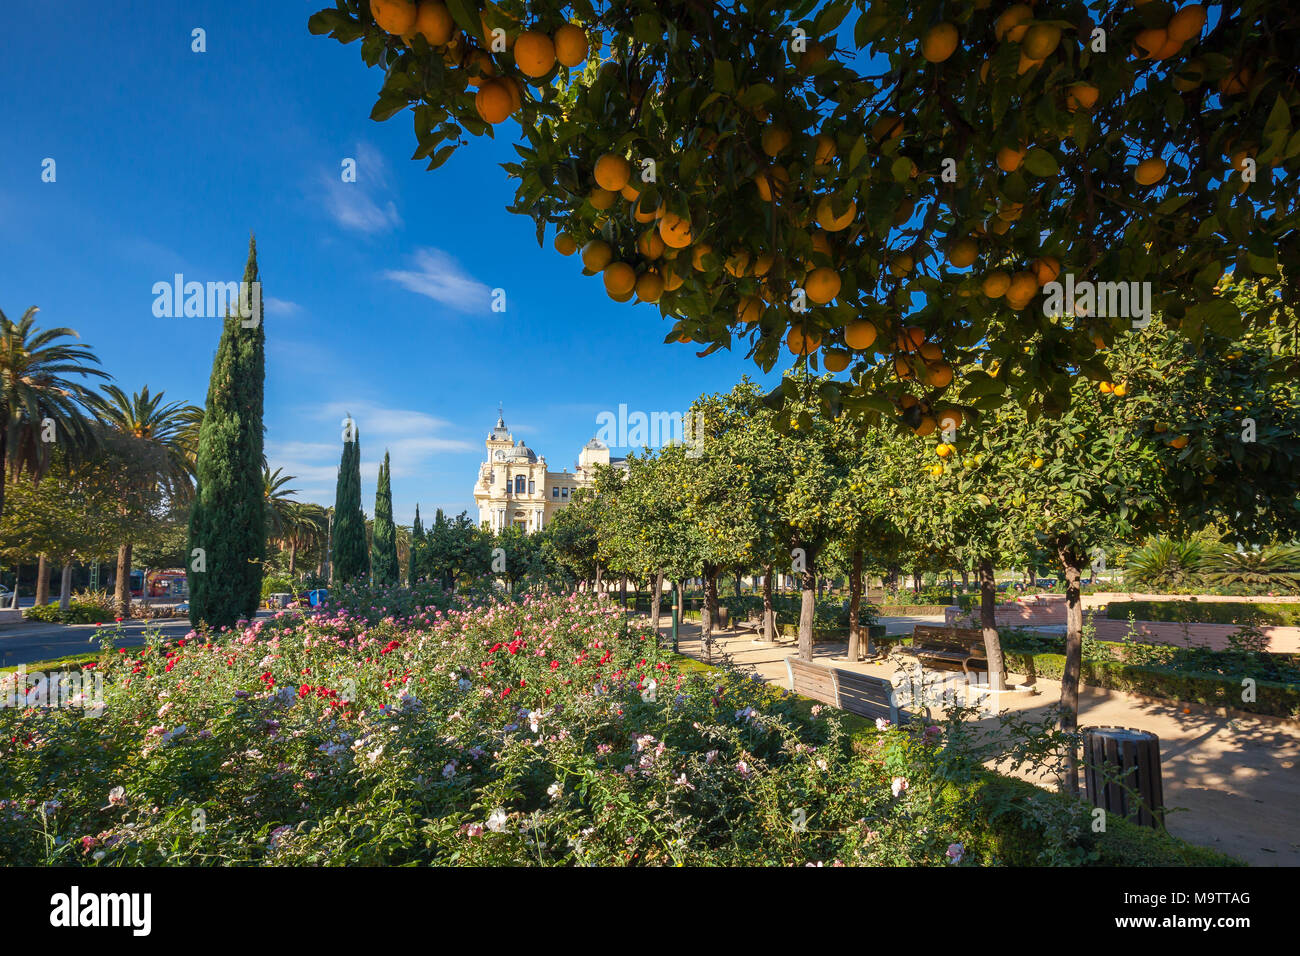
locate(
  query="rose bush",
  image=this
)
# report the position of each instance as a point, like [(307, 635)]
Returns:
[(543, 731)]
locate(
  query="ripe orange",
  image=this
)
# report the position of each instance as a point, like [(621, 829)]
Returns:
[(394, 16), (800, 343), (1081, 96), (1023, 288), (1045, 270), (620, 278), (938, 375), (1013, 22), (675, 230), (939, 42), (596, 255), (762, 264), (612, 172), (649, 287), (650, 245), (770, 181), (950, 418), (601, 198), (570, 44), (481, 69), (889, 126), (996, 284), (697, 256), (1040, 41), (565, 244), (963, 252), (826, 215), (860, 335), (1186, 23), (535, 55), (1105, 388), (629, 192), (672, 281), (930, 352), (1009, 159), (750, 309), (1179, 442), (433, 22), (825, 151), (775, 139), (943, 450), (903, 368), (822, 285), (1149, 42), (493, 101), (1236, 82), (1149, 172), (836, 360), (737, 263), (927, 426)]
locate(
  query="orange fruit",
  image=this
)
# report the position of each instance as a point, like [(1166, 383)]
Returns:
[(930, 352), (535, 55), (774, 140), (672, 281), (620, 278), (601, 198), (481, 69), (826, 215), (836, 360), (612, 172), (1149, 42), (750, 309), (570, 44), (1149, 172), (860, 335), (1186, 23), (650, 245), (770, 181), (825, 150), (1045, 270), (493, 101), (939, 42), (565, 244), (596, 255), (1236, 82), (1179, 442), (939, 375), (822, 285), (996, 284), (629, 192), (927, 426), (889, 126), (950, 418), (1040, 41), (801, 344), (675, 230), (698, 254), (649, 287), (1009, 159), (394, 16), (1081, 96), (433, 22), (1013, 22), (1105, 388), (963, 252)]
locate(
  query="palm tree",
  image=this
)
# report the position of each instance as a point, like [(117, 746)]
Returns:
[(35, 391), (280, 504), (156, 452)]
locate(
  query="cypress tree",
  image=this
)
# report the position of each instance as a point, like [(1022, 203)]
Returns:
[(413, 553), (349, 559), (227, 531), (383, 554)]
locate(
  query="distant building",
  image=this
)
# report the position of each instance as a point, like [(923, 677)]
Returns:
[(515, 487)]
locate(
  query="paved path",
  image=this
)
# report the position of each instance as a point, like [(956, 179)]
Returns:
[(33, 641), (1235, 782)]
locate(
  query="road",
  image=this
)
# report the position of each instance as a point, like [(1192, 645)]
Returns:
[(33, 641)]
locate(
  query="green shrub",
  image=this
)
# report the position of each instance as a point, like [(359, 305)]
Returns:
[(1206, 612), (78, 612), (49, 613)]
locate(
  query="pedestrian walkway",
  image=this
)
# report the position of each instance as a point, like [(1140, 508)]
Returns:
[(1231, 783)]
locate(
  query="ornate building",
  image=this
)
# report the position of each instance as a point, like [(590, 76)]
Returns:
[(515, 487)]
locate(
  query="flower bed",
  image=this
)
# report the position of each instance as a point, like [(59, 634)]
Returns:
[(547, 731)]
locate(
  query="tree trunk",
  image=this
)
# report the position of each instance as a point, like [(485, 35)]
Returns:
[(42, 581), (1072, 564), (1030, 578), (18, 575), (622, 592), (65, 587), (988, 624), (710, 613), (965, 580), (122, 584), (769, 615), (737, 584), (916, 582), (293, 555), (807, 607), (855, 605), (656, 594)]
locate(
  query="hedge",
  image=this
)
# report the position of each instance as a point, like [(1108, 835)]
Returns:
[(1273, 698), (1206, 612), (1014, 839)]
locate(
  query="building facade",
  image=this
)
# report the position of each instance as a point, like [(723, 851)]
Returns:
[(515, 487)]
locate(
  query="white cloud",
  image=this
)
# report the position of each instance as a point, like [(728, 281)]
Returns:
[(276, 306), (361, 206), (439, 277)]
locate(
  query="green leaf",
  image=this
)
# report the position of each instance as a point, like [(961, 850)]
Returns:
[(724, 77), (1041, 163), (466, 16)]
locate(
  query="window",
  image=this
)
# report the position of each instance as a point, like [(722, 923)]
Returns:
[(519, 484), (555, 492), (532, 487), (564, 493)]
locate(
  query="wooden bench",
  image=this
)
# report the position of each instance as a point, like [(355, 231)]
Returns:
[(848, 690), (958, 648)]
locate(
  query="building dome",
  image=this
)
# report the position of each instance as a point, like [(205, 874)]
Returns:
[(522, 452)]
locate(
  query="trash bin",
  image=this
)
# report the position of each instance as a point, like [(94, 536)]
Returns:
[(317, 598), (1122, 773), (722, 618)]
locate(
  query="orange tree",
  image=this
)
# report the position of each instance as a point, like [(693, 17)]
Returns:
[(892, 182)]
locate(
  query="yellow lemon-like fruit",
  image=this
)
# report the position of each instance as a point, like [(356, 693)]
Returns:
[(570, 44), (612, 172), (822, 285), (827, 219), (535, 56), (860, 335), (1149, 172), (939, 42), (620, 278), (1120, 390), (596, 255), (1105, 387)]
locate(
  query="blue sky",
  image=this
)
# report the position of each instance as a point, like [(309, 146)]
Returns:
[(376, 292)]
